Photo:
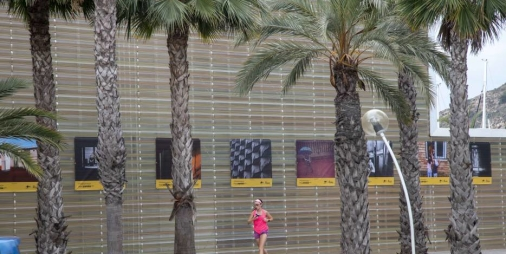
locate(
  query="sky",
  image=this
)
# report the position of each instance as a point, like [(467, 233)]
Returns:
[(495, 53), (19, 142)]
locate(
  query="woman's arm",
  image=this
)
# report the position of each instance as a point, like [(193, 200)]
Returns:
[(251, 217), (268, 217)]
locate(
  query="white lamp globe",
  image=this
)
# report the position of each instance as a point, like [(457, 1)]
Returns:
[(374, 122)]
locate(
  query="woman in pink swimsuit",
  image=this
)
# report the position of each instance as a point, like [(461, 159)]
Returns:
[(260, 217)]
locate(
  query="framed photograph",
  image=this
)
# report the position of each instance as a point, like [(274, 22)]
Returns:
[(250, 163), (86, 165), (380, 163), (13, 175), (315, 163), (164, 163), (481, 162), (435, 168)]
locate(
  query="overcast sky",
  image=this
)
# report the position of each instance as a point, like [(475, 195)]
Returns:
[(495, 53)]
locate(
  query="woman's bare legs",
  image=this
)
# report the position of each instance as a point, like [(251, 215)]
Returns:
[(261, 244)]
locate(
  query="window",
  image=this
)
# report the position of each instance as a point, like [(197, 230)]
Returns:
[(439, 148)]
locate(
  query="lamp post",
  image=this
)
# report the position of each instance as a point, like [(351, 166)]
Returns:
[(375, 123), (484, 113)]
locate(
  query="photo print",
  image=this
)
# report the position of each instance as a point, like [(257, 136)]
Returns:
[(86, 164), (380, 163), (164, 163), (435, 168), (250, 163), (315, 163), (434, 160), (13, 174), (480, 159)]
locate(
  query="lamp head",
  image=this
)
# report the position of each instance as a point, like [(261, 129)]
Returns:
[(374, 122)]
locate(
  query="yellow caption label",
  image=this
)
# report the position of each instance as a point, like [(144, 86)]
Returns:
[(18, 186), (87, 185), (162, 184), (442, 180), (482, 180), (316, 182), (446, 180), (381, 181), (255, 182)]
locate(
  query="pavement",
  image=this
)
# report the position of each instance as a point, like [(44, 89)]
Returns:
[(499, 251)]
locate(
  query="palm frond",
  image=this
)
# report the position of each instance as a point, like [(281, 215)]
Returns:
[(63, 9), (421, 48), (415, 68), (261, 64), (419, 14), (244, 34), (172, 14), (303, 8), (57, 8), (290, 25), (419, 45), (19, 9), (466, 19), (391, 96), (380, 6), (10, 86), (27, 130), (88, 10), (422, 82), (239, 14), (478, 21), (126, 12), (241, 19), (492, 21), (20, 113), (244, 37), (298, 70), (206, 10), (142, 20), (208, 31), (381, 45), (17, 154)]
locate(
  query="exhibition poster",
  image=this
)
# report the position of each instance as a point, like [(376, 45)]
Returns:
[(250, 163), (315, 163), (164, 163), (13, 175)]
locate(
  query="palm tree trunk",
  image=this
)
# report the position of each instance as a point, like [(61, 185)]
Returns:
[(352, 172), (111, 153), (410, 167), (184, 208), (462, 230), (51, 235)]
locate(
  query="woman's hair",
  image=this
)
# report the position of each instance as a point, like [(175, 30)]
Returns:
[(258, 200)]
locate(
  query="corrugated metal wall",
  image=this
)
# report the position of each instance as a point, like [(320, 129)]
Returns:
[(306, 218)]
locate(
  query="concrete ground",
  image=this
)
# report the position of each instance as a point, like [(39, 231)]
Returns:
[(483, 252)]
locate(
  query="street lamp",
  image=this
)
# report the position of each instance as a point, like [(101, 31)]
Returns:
[(375, 123)]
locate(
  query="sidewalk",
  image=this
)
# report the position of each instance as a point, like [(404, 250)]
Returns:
[(483, 252)]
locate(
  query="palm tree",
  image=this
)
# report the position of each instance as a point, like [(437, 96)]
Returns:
[(427, 52), (51, 235), (464, 23), (14, 125), (177, 18), (341, 32), (111, 152), (410, 167)]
